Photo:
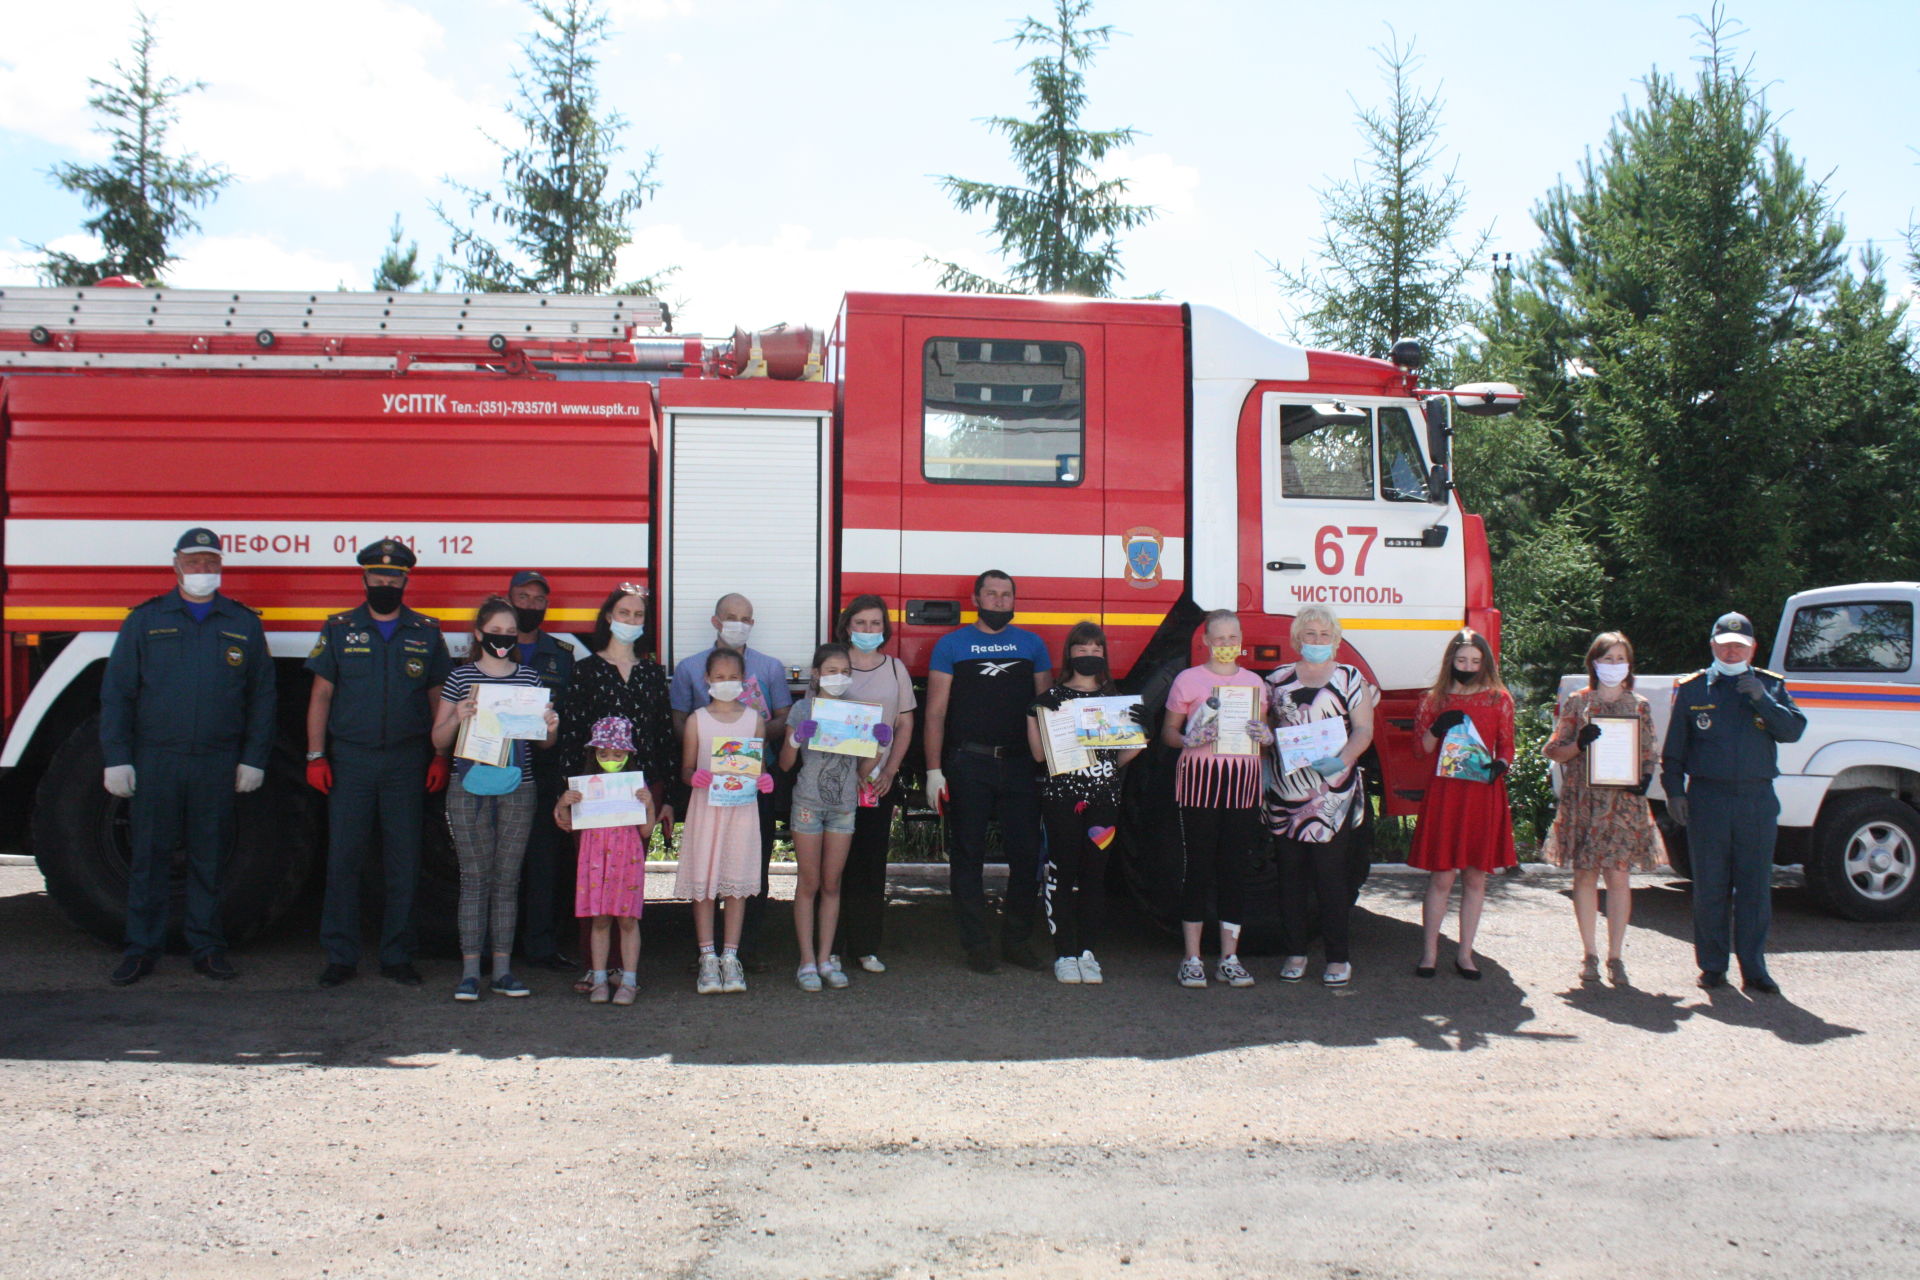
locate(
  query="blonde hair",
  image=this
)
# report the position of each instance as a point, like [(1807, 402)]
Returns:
[(1218, 615), (1311, 614)]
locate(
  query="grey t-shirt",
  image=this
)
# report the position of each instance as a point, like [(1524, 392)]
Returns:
[(826, 780)]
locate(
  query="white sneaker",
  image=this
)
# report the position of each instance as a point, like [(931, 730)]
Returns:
[(1337, 975), (1192, 973), (1090, 969), (1233, 973), (1294, 969), (733, 975), (708, 983), (872, 964), (809, 979), (1067, 969)]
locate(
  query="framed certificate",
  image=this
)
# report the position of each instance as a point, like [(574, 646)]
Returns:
[(1613, 758)]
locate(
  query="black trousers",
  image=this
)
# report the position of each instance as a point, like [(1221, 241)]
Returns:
[(547, 875), (1219, 849), (1075, 889), (182, 802), (863, 886), (1314, 887), (982, 788), (380, 789)]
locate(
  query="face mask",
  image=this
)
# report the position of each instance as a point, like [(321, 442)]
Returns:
[(1610, 673), (1088, 664), (1225, 653), (614, 766), (384, 598), (734, 634), (1316, 652), (498, 646), (725, 690), (835, 685), (995, 619), (1465, 676), (1730, 668), (867, 641), (624, 632), (529, 620), (200, 584)]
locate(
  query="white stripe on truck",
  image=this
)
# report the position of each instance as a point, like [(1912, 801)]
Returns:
[(329, 544)]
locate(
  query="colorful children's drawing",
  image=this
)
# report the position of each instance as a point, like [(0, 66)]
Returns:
[(1464, 755), (736, 765), (844, 728), (1109, 723)]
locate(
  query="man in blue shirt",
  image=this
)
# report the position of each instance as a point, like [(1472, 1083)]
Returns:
[(981, 682), (547, 873), (186, 721), (767, 693)]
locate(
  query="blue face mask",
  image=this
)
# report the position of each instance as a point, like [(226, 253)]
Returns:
[(1730, 668), (625, 632), (1317, 652), (866, 641)]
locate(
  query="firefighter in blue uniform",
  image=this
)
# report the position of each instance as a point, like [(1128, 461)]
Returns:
[(186, 720), (547, 873), (1718, 769), (377, 671)]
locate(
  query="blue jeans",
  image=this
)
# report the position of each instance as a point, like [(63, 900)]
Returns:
[(981, 788), (1731, 829)]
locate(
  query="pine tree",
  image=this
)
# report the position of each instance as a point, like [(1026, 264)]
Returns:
[(142, 194), (1388, 262), (399, 269), (565, 212), (1058, 233)]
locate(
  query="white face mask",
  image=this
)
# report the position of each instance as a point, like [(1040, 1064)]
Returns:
[(1610, 673), (734, 634), (725, 690), (624, 632), (835, 685), (200, 584)]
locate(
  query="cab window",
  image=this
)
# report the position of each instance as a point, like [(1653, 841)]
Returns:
[(1852, 636), (1326, 451), (1403, 469), (1000, 411)]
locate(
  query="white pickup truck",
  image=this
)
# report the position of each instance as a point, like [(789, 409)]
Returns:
[(1850, 788)]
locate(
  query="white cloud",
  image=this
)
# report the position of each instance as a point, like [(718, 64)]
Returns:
[(259, 262), (325, 97), (788, 278), (1154, 178), (625, 11)]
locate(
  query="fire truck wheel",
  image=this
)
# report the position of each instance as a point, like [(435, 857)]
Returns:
[(1864, 862), (82, 842)]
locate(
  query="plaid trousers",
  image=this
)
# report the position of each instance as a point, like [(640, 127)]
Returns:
[(490, 837)]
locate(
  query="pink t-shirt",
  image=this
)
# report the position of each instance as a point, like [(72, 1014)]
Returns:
[(1206, 779)]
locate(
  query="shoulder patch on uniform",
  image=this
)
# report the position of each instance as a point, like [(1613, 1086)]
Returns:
[(340, 618), (1764, 672), (1685, 679)]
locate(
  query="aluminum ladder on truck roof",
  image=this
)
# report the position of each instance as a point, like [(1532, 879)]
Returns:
[(217, 328)]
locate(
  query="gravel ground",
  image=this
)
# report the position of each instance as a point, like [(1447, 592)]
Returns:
[(931, 1122)]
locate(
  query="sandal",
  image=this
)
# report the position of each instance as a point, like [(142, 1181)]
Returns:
[(598, 994), (625, 994), (1590, 969), (1617, 973), (583, 984)]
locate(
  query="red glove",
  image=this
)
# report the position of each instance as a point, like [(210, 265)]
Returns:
[(439, 770), (765, 784), (320, 775), (701, 779)]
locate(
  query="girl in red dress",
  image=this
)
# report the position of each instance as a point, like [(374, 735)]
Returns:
[(1464, 825)]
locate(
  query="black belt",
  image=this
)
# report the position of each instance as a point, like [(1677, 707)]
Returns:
[(997, 753)]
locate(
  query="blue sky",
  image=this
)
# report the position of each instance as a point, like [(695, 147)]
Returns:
[(797, 141)]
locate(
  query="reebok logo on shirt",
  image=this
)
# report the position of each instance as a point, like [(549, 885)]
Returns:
[(994, 668)]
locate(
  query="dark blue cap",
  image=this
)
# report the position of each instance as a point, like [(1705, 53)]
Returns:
[(525, 576), (1734, 626), (198, 540), (389, 554)]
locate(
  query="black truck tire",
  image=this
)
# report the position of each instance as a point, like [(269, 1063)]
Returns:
[(1864, 860), (81, 840)]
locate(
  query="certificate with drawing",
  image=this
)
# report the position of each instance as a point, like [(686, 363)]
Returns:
[(1060, 740), (1107, 723), (844, 728), (1299, 745), (512, 711), (1236, 704), (481, 748), (1464, 755), (736, 765), (1613, 758), (609, 800)]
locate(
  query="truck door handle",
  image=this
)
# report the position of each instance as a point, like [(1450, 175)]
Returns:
[(1286, 566), (933, 613)]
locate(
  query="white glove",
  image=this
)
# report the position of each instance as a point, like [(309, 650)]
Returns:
[(247, 778), (120, 780), (937, 790)]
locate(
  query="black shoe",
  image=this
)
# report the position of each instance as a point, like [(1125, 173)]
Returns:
[(335, 974), (130, 970), (403, 973), (1471, 975), (980, 960), (1423, 971), (554, 963), (213, 964), (1709, 979), (1020, 955), (1764, 984)]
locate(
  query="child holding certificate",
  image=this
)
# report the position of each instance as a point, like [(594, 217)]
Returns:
[(1601, 827), (610, 883), (720, 843), (1217, 716), (1081, 809), (1465, 824), (826, 795)]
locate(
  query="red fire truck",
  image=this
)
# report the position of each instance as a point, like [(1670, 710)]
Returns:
[(1131, 462)]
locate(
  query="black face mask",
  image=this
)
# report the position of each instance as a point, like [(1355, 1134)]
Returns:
[(384, 598), (529, 620), (995, 619), (1464, 676), (498, 646), (1088, 664)]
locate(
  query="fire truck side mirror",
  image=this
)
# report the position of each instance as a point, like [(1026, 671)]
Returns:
[(1438, 411), (1439, 485)]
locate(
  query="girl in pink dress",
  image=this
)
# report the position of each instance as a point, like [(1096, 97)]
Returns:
[(611, 883), (720, 844)]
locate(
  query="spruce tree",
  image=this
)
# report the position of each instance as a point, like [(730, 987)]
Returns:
[(399, 268)]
